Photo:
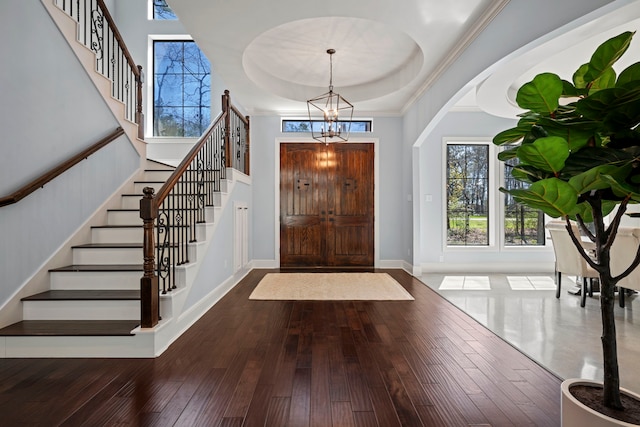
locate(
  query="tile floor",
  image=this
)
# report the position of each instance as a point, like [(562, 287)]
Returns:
[(557, 333)]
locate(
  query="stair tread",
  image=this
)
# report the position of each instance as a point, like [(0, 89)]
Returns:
[(70, 328), (118, 226), (101, 267), (109, 245), (85, 295)]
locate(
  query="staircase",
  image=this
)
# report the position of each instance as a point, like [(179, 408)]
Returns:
[(93, 306), (96, 300)]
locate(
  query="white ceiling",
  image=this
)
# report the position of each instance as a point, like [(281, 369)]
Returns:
[(272, 54), (561, 55)]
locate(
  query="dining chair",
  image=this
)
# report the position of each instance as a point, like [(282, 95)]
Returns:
[(623, 252), (568, 260)]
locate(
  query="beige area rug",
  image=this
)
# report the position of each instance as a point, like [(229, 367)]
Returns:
[(330, 287)]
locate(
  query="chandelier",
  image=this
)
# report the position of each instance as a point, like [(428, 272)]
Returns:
[(330, 114)]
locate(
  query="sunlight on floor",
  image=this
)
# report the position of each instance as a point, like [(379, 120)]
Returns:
[(465, 283), (531, 283)]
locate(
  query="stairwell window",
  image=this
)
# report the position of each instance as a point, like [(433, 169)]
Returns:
[(181, 89), (162, 11)]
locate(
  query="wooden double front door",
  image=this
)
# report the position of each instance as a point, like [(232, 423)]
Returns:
[(326, 205)]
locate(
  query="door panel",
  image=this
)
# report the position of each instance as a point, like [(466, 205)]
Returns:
[(350, 201), (301, 197), (326, 205)]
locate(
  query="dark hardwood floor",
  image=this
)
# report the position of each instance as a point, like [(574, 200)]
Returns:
[(282, 363)]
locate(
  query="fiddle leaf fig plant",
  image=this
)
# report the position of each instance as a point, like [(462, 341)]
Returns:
[(578, 148)]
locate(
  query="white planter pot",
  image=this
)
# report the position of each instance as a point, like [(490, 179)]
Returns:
[(575, 414)]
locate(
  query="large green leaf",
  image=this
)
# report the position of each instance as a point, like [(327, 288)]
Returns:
[(623, 189), (586, 213), (541, 94), (509, 154), (521, 175), (569, 90), (577, 132), (553, 196), (592, 157), (597, 105), (528, 173), (509, 136), (605, 81), (629, 74), (547, 154), (593, 179), (606, 55), (579, 77)]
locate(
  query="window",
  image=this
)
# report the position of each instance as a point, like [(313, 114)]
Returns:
[(292, 125), (522, 224), (467, 194), (477, 214), (162, 11), (181, 89)]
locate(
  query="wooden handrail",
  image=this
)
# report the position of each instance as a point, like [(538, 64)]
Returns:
[(197, 177), (58, 170), (118, 36), (184, 164)]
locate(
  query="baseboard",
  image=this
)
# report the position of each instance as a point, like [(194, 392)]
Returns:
[(265, 263), (491, 267)]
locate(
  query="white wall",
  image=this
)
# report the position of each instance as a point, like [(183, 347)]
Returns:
[(218, 265), (431, 241), (519, 25), (50, 110)]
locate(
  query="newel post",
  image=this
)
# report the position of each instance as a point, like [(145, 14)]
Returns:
[(139, 113), (226, 109), (149, 292)]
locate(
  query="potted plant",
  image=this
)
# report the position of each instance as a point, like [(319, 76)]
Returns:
[(578, 148)]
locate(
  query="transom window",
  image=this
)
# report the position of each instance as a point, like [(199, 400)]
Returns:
[(301, 125), (181, 89)]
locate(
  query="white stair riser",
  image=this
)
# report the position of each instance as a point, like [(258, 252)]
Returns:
[(124, 218), (157, 175), (133, 217), (95, 280), (131, 202), (116, 235), (139, 186), (46, 346), (105, 256), (81, 310)]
